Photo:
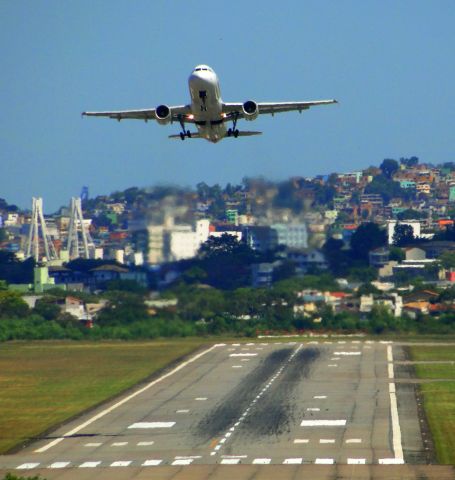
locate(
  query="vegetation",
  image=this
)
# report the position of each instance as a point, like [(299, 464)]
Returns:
[(438, 397), (43, 384)]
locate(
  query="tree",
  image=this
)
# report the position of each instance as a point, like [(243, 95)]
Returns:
[(403, 235), (387, 188), (409, 162), (336, 256), (47, 308), (448, 259), (366, 238), (12, 304), (389, 167)]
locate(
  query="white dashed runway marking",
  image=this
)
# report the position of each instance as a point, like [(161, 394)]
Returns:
[(332, 365), (356, 461), (97, 444), (262, 461), (152, 425), (230, 461), (354, 440), (326, 440), (324, 461), (311, 409), (292, 461), (201, 399), (151, 463), (89, 464), (243, 355), (323, 423), (182, 461), (320, 397), (119, 444), (391, 461), (182, 411), (58, 465), (27, 466), (121, 463), (347, 353), (145, 444), (301, 440)]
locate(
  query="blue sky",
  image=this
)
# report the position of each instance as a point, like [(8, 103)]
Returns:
[(389, 63)]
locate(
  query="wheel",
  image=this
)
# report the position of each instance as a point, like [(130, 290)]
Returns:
[(188, 134), (229, 132), (236, 133), (182, 136)]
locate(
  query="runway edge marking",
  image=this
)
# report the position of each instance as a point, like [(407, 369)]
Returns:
[(396, 430), (126, 399)]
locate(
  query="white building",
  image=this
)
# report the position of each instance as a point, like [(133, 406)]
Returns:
[(415, 224)]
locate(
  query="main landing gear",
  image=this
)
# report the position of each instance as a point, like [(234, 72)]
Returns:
[(234, 131), (184, 133)]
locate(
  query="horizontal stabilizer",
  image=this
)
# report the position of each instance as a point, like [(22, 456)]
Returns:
[(245, 133), (193, 135)]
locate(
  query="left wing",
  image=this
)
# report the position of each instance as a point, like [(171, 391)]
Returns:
[(144, 114), (275, 107)]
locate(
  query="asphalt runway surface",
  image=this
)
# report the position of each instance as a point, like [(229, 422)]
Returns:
[(260, 406)]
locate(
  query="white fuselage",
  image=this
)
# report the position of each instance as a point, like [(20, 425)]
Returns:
[(206, 103)]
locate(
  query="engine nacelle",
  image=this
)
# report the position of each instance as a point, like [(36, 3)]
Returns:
[(163, 114), (250, 110)]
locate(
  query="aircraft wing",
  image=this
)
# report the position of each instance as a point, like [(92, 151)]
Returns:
[(275, 107), (144, 114)]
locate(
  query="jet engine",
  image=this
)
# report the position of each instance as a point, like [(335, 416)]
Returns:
[(163, 114), (250, 110)]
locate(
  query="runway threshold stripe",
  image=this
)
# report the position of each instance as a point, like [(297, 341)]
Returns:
[(230, 461), (356, 461), (324, 461), (261, 461), (183, 461), (124, 400), (391, 461)]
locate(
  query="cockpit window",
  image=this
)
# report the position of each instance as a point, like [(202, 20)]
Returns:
[(205, 69)]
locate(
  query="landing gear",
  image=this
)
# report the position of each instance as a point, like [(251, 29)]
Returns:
[(234, 131), (184, 133)]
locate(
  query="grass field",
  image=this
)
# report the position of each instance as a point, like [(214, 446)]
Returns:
[(44, 383), (439, 397)]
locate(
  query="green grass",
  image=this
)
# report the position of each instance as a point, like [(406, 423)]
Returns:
[(45, 383), (438, 397)]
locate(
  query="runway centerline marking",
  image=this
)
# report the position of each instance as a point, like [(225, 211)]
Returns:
[(119, 444), (145, 444), (347, 353), (254, 401), (123, 401), (354, 440), (97, 444), (312, 409), (243, 355), (356, 461), (326, 440), (201, 399), (320, 397), (301, 440), (182, 411), (292, 461), (396, 430), (261, 461), (324, 461)]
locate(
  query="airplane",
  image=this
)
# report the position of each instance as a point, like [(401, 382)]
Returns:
[(208, 111)]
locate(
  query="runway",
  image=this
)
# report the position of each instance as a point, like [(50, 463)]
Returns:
[(259, 404)]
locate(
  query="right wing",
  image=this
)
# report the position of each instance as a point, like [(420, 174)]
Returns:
[(144, 114)]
